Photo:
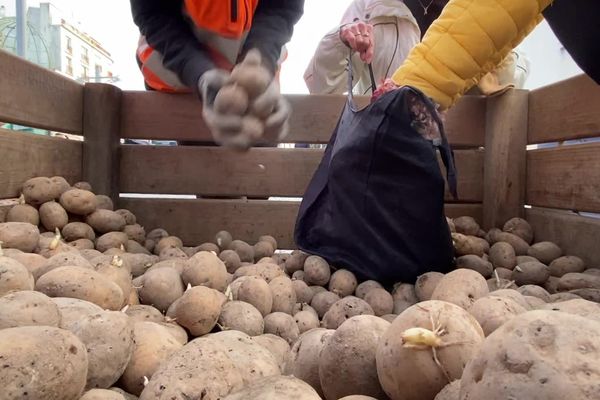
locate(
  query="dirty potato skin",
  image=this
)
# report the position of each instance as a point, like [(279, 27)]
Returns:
[(56, 361), (525, 358)]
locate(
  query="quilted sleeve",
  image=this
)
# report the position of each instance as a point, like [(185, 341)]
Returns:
[(468, 40)]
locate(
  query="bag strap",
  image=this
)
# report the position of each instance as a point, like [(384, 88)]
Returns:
[(350, 70)]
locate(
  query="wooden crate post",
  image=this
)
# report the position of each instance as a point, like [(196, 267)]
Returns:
[(505, 160), (101, 128)]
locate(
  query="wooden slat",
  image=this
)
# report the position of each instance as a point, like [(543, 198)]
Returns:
[(33, 96), (160, 116), (24, 156), (565, 110), (565, 177), (505, 158), (102, 142), (197, 221), (261, 171), (575, 234)]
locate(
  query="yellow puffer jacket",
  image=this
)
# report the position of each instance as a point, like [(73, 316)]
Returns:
[(468, 40)]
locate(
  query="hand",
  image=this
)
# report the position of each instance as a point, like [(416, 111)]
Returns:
[(359, 37), (224, 127), (387, 86)]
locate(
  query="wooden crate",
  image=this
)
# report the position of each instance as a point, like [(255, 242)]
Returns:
[(498, 176)]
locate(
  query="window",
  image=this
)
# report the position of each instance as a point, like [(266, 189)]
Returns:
[(85, 58), (69, 45), (69, 66), (98, 72), (85, 74)]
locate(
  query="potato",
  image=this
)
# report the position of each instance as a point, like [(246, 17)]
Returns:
[(466, 225), (117, 272), (282, 325), (101, 394), (81, 283), (270, 239), (592, 271), (172, 253), (524, 259), (62, 260), (140, 263), (303, 293), (31, 261), (42, 362), (14, 276), (345, 308), (405, 292), (566, 264), (78, 230), (108, 338), (450, 392), (82, 244), (316, 271), (104, 202), (111, 240), (205, 269), (279, 347), (574, 280), (243, 317), (166, 242), (263, 249), (525, 358), (231, 259), (19, 235), (396, 362), (511, 294), (577, 306), (275, 388), (295, 262), (461, 287), (588, 294), (283, 293), (464, 245), (299, 275), (381, 301), (208, 247), (503, 273), (198, 310), (161, 287), (426, 284), (83, 185), (500, 283), (304, 307), (176, 330), (53, 216), (258, 293), (134, 247), (530, 273), (264, 270), (520, 228), (323, 301), (491, 312), (243, 249), (104, 221), (60, 185), (231, 99), (451, 225), (38, 190), (27, 308), (153, 345), (144, 313), (546, 252), (521, 247), (78, 201), (223, 239), (502, 255), (363, 288), (476, 263), (551, 285), (306, 320), (134, 232), (157, 234), (127, 215), (72, 310), (352, 349), (535, 291), (304, 359), (23, 213), (343, 283)]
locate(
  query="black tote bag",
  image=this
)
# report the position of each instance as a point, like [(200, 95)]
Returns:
[(375, 205)]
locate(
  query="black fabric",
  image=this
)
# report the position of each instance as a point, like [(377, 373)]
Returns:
[(375, 205), (575, 24)]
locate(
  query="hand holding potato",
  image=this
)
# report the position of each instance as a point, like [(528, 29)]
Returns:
[(244, 107)]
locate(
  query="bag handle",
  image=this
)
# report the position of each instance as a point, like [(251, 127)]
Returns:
[(350, 70)]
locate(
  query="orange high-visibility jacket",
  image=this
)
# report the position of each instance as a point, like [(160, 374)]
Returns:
[(182, 39)]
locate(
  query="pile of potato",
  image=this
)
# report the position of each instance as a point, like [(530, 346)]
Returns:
[(93, 307)]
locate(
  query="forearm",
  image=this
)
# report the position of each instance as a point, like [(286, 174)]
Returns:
[(161, 23), (468, 40)]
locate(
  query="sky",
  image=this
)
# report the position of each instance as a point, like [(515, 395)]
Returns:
[(110, 22)]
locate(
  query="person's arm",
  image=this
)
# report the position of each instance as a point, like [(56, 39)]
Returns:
[(272, 27), (469, 39), (163, 25)]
